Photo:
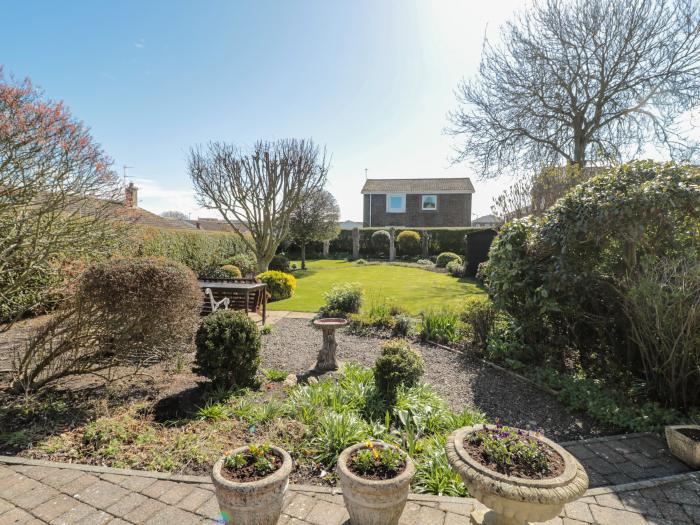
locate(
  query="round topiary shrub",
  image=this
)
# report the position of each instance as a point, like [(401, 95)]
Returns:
[(380, 240), (399, 365), (244, 261), (232, 270), (280, 285), (145, 307), (409, 242), (228, 349), (279, 263), (445, 257)]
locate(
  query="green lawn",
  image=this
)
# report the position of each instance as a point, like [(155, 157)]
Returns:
[(413, 288)]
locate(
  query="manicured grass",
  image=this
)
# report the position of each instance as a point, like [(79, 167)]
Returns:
[(415, 289)]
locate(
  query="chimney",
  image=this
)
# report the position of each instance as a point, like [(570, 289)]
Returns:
[(131, 199)]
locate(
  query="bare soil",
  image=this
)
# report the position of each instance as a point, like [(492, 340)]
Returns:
[(692, 433)]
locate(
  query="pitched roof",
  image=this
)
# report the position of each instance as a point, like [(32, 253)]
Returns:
[(487, 219), (442, 185)]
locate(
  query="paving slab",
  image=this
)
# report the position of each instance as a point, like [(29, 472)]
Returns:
[(51, 493)]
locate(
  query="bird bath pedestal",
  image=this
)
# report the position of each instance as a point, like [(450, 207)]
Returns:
[(326, 356)]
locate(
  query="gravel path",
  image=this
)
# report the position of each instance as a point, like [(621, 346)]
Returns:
[(293, 346)]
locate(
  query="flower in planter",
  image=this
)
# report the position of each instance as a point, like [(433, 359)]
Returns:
[(377, 461), (510, 451), (256, 462)]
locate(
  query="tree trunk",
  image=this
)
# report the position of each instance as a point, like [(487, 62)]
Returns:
[(303, 256)]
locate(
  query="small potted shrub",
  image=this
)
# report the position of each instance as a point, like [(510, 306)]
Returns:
[(521, 476), (250, 484), (375, 478), (684, 442)]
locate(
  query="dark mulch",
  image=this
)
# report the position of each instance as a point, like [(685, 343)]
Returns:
[(692, 433), (461, 381)]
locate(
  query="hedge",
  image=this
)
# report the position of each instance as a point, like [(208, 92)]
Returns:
[(196, 249), (441, 240)]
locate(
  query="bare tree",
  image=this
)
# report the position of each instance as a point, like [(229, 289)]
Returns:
[(581, 82), (533, 195), (316, 219), (56, 196), (173, 214), (259, 189)]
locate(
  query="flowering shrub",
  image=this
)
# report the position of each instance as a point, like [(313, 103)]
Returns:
[(280, 285)]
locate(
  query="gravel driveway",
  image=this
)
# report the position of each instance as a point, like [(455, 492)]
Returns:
[(294, 344)]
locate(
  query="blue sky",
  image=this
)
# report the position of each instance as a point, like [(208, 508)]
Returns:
[(370, 80)]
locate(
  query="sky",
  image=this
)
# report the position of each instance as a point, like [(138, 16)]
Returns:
[(371, 80)]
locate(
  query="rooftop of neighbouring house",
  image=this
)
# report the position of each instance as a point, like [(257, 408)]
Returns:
[(436, 185)]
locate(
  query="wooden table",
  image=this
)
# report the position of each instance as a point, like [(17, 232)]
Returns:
[(234, 290)]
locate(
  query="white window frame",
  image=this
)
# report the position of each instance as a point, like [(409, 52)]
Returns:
[(389, 209), (422, 202)]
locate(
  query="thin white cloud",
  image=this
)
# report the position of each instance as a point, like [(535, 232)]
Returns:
[(157, 199), (140, 43)]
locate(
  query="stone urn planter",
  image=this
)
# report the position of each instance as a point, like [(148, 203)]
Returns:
[(684, 442), (515, 500), (253, 502), (326, 360), (373, 502)]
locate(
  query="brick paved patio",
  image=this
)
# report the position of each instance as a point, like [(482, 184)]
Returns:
[(43, 492), (626, 458)]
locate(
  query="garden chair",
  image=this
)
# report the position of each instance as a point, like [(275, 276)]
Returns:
[(215, 305)]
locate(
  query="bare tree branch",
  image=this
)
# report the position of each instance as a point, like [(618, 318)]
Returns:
[(259, 189), (582, 82)]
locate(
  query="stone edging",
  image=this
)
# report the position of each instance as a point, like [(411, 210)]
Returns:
[(603, 439), (637, 485), (315, 489), (645, 484)]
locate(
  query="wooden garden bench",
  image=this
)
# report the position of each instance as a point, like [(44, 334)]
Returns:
[(245, 294)]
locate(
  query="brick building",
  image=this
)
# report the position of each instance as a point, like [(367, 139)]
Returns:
[(417, 203)]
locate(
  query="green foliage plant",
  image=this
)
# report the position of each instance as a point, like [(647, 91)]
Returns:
[(280, 285), (567, 275), (409, 242), (440, 326), (280, 263), (445, 257), (342, 299), (481, 315), (228, 349), (233, 271), (455, 268), (398, 366)]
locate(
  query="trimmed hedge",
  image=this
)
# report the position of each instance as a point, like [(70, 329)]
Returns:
[(196, 249)]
